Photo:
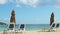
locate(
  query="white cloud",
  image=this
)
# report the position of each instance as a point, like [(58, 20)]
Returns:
[(35, 3), (32, 3), (18, 5), (12, 1), (6, 19), (36, 19), (57, 6), (3, 1), (24, 1)]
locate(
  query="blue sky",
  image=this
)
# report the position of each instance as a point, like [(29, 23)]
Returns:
[(30, 11)]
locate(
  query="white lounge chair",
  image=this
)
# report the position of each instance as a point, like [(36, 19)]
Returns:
[(21, 29), (10, 29), (55, 27)]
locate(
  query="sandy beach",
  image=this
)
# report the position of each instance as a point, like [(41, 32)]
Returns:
[(31, 32), (1, 32), (39, 32)]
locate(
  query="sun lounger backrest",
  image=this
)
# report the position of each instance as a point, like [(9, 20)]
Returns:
[(22, 26), (53, 25), (57, 25), (11, 26)]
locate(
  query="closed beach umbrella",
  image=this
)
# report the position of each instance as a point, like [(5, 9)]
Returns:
[(52, 18)]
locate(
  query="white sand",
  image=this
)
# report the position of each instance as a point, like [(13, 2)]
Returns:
[(31, 32), (1, 32), (37, 32)]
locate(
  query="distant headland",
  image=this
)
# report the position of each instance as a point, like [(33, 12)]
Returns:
[(2, 23)]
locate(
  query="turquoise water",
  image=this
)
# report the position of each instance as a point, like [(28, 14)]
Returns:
[(28, 27)]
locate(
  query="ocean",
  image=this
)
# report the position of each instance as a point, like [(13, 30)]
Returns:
[(28, 27)]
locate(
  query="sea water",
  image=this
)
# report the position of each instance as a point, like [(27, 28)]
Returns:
[(28, 27)]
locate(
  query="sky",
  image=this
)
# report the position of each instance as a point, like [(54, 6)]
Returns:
[(30, 11)]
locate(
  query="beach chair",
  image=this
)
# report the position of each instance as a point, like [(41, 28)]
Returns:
[(52, 27), (55, 27), (10, 29), (21, 29)]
